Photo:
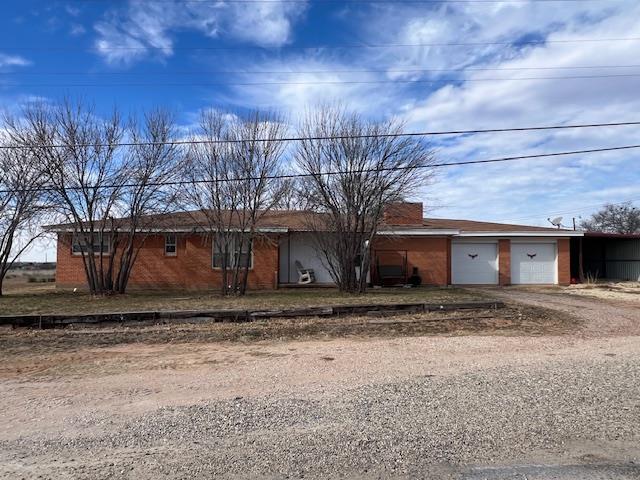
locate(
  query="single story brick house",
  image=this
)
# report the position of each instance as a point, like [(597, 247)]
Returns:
[(178, 254)]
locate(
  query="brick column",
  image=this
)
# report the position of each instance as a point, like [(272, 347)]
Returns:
[(504, 262), (564, 261)]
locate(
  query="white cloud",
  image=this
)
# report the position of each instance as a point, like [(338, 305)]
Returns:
[(13, 61), (266, 24), (76, 30), (313, 80), (145, 29), (529, 190)]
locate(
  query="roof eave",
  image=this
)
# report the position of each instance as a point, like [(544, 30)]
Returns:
[(531, 233), (187, 229), (419, 232)]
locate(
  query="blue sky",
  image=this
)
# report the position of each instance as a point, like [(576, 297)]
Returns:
[(170, 48)]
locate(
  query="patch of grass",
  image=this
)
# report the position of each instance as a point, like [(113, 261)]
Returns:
[(65, 302)]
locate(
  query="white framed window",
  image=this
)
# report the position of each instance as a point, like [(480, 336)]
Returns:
[(238, 252), (170, 245), (100, 244)]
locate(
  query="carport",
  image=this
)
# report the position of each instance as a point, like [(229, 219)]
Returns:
[(611, 256)]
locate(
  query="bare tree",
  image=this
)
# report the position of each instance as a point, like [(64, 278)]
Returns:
[(621, 218), (100, 190), (21, 204), (152, 162), (233, 184), (371, 166), (293, 196), (79, 153)]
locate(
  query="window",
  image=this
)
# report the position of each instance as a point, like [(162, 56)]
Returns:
[(99, 244), (170, 245), (236, 254)]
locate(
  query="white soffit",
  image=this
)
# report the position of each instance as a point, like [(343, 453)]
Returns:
[(561, 233), (419, 232)]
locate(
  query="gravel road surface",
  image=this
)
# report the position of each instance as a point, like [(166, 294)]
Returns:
[(472, 407), (578, 419)]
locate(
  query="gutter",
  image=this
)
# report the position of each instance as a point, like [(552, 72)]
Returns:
[(419, 232), (167, 230), (559, 233)]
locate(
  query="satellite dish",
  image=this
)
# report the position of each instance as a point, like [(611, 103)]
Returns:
[(556, 222)]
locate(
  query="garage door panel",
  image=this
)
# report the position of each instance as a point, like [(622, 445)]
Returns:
[(533, 263), (474, 263)]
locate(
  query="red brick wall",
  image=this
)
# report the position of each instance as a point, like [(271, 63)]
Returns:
[(189, 269), (69, 268), (504, 262), (403, 214), (564, 262), (431, 256)]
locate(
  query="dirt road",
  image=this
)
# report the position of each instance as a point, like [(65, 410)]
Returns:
[(462, 405)]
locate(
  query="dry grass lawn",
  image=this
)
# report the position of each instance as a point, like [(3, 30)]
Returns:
[(36, 298)]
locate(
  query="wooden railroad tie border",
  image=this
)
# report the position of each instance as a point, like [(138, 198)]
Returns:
[(237, 316)]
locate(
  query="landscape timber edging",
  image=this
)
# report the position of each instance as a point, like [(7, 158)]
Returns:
[(236, 316)]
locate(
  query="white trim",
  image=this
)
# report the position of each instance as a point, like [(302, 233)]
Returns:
[(535, 240), (559, 234), (171, 230), (418, 232), (463, 240)]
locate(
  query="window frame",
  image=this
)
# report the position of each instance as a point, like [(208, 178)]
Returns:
[(174, 244), (233, 253), (79, 252)]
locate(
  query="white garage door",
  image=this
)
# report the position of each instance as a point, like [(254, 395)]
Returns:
[(474, 263), (533, 263)]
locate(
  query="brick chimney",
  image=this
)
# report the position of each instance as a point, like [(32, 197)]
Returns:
[(403, 213)]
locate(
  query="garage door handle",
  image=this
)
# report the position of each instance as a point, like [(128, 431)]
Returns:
[(531, 255), (473, 255)]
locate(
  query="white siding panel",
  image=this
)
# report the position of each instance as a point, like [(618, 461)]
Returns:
[(299, 246)]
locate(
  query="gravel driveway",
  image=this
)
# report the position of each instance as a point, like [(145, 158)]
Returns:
[(603, 316)]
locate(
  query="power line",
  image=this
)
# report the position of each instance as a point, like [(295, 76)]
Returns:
[(352, 2), (568, 212), (342, 172), (320, 82), (296, 72), (332, 137), (102, 48)]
